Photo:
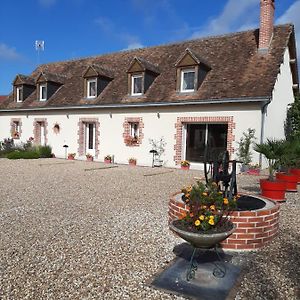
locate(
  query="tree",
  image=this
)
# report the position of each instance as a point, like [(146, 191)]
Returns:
[(292, 123), (244, 153)]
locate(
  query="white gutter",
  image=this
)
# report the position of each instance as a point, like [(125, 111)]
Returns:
[(133, 105)]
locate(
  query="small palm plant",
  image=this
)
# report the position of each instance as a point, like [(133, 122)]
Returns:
[(273, 150)]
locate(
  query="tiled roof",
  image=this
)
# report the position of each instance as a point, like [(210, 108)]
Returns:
[(238, 70), (2, 98)]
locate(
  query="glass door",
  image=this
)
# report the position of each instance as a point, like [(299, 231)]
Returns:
[(90, 138), (205, 139)]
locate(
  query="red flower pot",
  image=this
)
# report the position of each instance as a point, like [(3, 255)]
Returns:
[(253, 172), (291, 181), (296, 172), (71, 158), (132, 163), (274, 190), (107, 161), (90, 158), (185, 167)]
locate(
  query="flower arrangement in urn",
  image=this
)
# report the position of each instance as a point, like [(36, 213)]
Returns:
[(185, 164), (208, 209)]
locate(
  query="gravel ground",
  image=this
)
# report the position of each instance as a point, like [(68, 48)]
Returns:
[(70, 230)]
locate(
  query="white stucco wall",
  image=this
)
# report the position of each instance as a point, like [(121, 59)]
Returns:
[(111, 128), (281, 97)]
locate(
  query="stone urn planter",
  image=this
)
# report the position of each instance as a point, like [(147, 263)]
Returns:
[(203, 240), (291, 181)]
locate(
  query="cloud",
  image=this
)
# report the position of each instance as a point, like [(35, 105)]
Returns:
[(237, 15), (47, 3), (109, 28), (9, 53)]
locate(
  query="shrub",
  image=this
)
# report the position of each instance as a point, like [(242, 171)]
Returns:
[(44, 151), (292, 123), (244, 154), (17, 154)]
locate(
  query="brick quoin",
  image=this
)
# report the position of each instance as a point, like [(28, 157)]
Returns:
[(252, 232), (188, 120)]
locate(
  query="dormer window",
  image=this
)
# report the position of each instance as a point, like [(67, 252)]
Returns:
[(191, 71), (91, 88), (43, 92), (19, 93), (136, 84), (141, 74), (187, 80)]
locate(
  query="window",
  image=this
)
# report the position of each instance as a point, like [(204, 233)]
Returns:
[(134, 130), (43, 92), (136, 84), (19, 94), (92, 88), (16, 130), (187, 80)]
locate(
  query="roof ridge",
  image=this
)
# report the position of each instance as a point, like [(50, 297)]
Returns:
[(157, 46)]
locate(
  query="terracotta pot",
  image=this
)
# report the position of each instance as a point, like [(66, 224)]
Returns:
[(90, 158), (185, 167), (107, 161), (296, 172), (202, 240), (71, 158), (274, 190), (290, 179), (133, 163)]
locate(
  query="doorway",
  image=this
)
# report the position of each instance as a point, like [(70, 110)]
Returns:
[(90, 138)]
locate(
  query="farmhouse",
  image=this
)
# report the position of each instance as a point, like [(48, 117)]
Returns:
[(199, 95)]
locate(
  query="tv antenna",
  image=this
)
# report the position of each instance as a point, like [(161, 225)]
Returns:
[(39, 46)]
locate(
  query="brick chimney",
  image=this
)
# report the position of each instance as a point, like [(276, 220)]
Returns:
[(267, 8)]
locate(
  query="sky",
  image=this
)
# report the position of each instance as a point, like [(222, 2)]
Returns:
[(79, 28)]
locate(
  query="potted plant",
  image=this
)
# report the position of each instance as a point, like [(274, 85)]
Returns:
[(89, 157), (207, 221), (253, 169), (158, 148), (185, 165), (273, 151), (71, 156), (132, 161), (107, 159), (244, 154)]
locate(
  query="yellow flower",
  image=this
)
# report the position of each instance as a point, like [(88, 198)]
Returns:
[(201, 217), (204, 194), (197, 222), (211, 222), (225, 201), (212, 207), (211, 217), (220, 193)]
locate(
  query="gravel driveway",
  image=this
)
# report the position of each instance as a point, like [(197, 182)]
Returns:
[(73, 230)]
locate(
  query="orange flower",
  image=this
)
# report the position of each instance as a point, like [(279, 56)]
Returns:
[(225, 200), (212, 207)]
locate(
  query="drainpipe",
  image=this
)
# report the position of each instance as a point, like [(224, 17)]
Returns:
[(262, 129)]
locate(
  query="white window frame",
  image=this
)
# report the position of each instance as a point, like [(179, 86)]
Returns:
[(18, 94), (183, 71), (43, 86), (134, 129), (133, 77), (88, 85)]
